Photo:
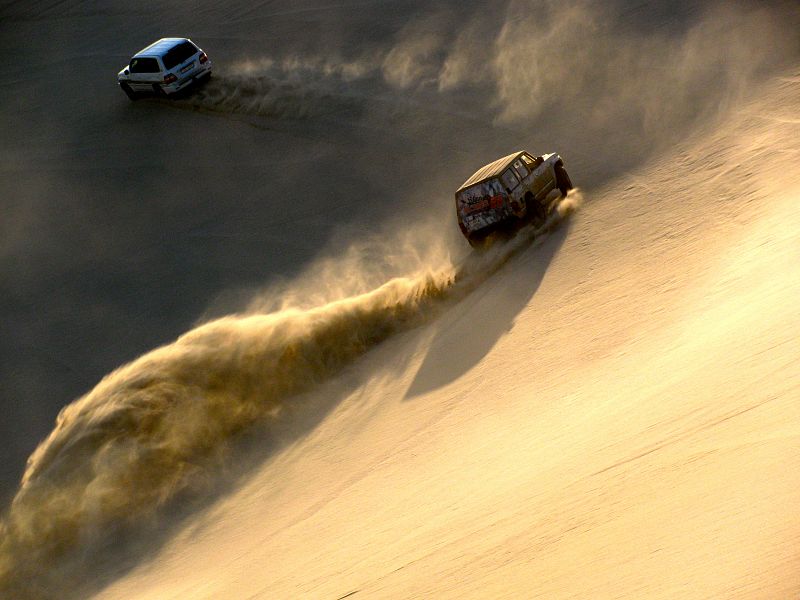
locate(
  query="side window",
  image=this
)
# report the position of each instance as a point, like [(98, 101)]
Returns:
[(521, 169), (144, 64), (509, 179)]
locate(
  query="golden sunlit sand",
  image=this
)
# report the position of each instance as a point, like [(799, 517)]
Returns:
[(631, 435), (604, 407)]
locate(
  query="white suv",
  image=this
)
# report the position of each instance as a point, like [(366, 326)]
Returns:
[(164, 67)]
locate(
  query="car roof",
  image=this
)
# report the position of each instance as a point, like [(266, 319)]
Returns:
[(161, 47), (493, 169)]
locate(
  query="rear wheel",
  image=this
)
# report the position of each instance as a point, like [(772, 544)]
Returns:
[(536, 211), (476, 241), (481, 239), (563, 182), (159, 91), (128, 91)]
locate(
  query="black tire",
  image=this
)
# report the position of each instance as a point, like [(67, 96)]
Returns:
[(158, 91), (480, 239), (563, 182), (476, 242), (535, 210), (128, 91)]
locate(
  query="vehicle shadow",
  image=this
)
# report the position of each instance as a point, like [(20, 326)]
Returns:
[(464, 337)]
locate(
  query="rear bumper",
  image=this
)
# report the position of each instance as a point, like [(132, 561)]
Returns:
[(484, 221), (185, 81), (188, 79)]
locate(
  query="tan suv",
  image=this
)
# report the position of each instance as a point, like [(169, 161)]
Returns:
[(510, 190)]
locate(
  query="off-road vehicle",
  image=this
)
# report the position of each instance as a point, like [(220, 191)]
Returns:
[(163, 68), (513, 189)]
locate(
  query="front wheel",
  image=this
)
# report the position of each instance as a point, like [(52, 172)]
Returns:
[(563, 182), (128, 91)]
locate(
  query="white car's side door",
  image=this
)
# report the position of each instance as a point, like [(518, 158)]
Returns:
[(144, 72)]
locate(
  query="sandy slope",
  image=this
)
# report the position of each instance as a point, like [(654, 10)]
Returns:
[(632, 431), (611, 411)]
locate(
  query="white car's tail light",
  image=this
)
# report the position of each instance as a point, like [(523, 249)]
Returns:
[(203, 58), (171, 78)]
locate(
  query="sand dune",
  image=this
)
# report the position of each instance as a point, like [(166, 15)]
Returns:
[(604, 407)]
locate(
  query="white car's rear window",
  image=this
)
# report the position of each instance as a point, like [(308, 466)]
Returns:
[(179, 54)]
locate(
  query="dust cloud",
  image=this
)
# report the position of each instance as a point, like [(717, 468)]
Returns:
[(154, 429), (600, 83), (530, 64), (579, 77), (292, 89), (160, 427)]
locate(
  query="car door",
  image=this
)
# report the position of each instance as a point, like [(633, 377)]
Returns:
[(144, 72), (515, 190), (523, 172), (542, 180)]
